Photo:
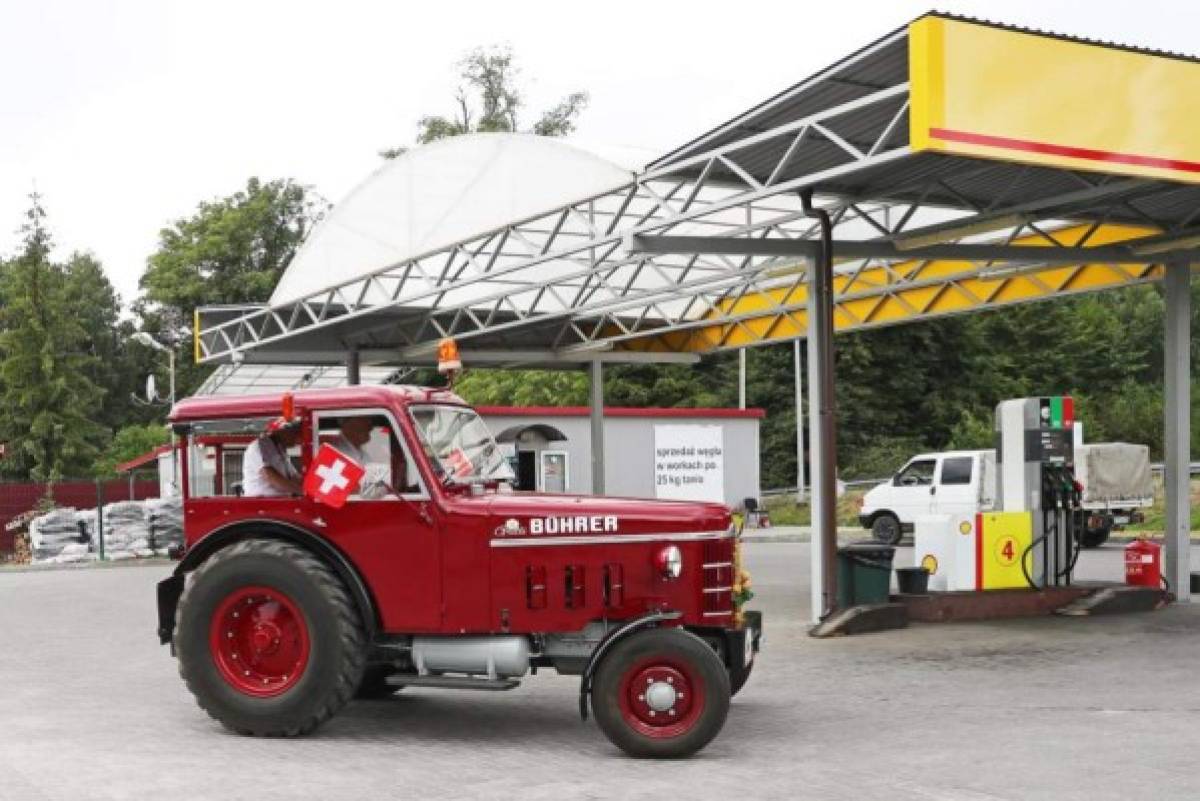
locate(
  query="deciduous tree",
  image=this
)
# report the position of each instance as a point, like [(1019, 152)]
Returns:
[(488, 100)]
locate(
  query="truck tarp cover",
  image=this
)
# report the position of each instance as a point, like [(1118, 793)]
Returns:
[(1114, 471)]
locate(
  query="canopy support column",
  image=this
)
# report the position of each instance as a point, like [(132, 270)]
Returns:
[(597, 419), (352, 365), (1177, 439), (822, 416)]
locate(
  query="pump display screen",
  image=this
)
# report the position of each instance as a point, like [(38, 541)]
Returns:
[(1054, 437)]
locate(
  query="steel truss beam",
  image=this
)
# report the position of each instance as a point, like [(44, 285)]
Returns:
[(568, 264), (1124, 253), (870, 293)]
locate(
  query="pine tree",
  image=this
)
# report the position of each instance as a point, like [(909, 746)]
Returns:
[(48, 404)]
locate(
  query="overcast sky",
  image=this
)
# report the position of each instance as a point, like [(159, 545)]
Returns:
[(125, 115)]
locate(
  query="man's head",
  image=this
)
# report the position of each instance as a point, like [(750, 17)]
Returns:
[(285, 432), (356, 430)]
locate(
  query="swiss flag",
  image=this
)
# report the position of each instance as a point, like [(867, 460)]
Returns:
[(460, 464), (332, 477)]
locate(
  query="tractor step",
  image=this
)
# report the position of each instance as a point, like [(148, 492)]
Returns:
[(452, 682)]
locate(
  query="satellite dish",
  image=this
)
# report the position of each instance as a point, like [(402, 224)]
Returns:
[(151, 389)]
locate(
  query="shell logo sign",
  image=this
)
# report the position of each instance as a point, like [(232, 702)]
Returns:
[(987, 91)]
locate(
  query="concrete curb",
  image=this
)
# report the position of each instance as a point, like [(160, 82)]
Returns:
[(95, 564)]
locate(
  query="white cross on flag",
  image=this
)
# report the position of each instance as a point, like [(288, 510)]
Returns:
[(332, 477)]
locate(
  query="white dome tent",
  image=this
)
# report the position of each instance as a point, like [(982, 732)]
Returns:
[(438, 194)]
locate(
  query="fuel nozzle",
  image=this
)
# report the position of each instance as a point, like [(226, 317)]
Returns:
[(1048, 488), (1076, 490)]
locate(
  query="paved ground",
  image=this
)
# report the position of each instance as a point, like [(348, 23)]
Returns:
[(91, 708)]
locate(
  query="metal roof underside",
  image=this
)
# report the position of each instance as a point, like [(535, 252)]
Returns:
[(566, 285), (245, 379)]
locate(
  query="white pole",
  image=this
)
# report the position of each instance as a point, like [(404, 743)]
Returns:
[(597, 426), (742, 378), (796, 366)]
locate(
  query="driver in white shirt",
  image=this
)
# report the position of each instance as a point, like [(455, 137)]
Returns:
[(266, 469)]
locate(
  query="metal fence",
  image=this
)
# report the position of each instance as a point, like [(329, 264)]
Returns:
[(19, 497)]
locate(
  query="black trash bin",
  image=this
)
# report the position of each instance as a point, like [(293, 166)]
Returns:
[(912, 580), (864, 573)]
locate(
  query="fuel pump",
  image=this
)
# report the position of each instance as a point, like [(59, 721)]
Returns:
[(1035, 458)]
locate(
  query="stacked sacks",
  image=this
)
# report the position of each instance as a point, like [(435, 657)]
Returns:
[(57, 537), (126, 533), (164, 516), (132, 530)]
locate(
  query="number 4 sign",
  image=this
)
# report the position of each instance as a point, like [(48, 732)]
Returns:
[(332, 477)]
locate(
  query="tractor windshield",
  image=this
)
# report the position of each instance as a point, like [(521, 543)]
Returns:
[(459, 444)]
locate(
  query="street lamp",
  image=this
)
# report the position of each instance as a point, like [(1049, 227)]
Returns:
[(143, 338)]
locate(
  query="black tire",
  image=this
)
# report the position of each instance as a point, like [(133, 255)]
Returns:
[(1095, 537), (886, 528), (374, 684), (669, 650), (336, 646)]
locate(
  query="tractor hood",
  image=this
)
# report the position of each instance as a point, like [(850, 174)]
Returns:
[(540, 513)]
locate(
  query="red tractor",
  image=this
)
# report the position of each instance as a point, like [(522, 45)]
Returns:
[(429, 571)]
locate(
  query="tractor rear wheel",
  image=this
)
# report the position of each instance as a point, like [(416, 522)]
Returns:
[(661, 693), (269, 640)]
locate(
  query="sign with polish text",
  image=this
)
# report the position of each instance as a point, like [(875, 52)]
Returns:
[(689, 462)]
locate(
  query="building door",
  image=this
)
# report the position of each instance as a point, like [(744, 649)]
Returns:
[(527, 471), (554, 471)]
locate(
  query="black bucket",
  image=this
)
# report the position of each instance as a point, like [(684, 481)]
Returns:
[(912, 580)]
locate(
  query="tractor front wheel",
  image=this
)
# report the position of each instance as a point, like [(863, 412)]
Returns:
[(268, 639), (661, 693)]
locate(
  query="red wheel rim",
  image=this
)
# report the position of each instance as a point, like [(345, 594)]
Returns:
[(259, 641), (661, 697)]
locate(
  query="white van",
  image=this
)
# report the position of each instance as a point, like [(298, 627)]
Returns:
[(949, 482), (1115, 476)]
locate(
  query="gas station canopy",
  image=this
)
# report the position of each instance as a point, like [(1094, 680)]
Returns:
[(1075, 162), (949, 167)]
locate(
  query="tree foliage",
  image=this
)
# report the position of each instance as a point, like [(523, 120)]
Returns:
[(49, 405), (488, 101), (231, 250), (129, 443), (523, 388)]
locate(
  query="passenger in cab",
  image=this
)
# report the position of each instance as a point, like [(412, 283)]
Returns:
[(266, 469), (353, 435)]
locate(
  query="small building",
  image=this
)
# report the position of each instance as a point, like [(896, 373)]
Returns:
[(692, 454)]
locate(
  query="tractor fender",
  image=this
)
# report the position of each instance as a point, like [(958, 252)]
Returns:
[(613, 637), (171, 588)]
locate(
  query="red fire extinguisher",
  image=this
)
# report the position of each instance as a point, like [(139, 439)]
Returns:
[(1143, 563)]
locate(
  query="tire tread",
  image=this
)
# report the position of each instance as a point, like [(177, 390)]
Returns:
[(350, 627)]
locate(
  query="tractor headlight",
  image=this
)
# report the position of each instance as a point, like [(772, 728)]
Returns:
[(669, 562)]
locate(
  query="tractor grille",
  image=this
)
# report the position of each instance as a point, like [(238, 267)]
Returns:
[(718, 580)]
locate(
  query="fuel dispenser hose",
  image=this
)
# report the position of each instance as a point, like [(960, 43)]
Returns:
[(1046, 532)]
